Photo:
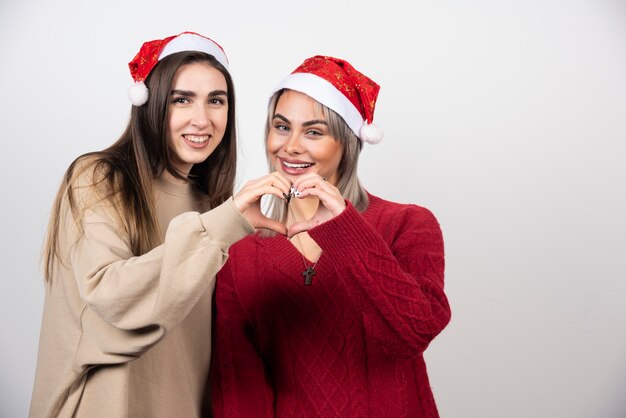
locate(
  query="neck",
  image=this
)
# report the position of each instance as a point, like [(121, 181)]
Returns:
[(169, 177), (301, 209)]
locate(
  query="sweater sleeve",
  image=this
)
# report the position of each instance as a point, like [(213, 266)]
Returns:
[(131, 302), (397, 281), (239, 385)]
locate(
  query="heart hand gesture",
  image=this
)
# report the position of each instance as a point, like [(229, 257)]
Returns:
[(331, 203), (248, 200)]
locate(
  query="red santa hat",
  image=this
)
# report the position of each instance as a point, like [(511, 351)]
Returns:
[(337, 85), (152, 52)]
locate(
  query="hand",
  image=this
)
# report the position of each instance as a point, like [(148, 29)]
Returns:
[(331, 204), (248, 200)]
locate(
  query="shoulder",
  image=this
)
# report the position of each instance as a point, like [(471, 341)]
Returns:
[(91, 181), (88, 170), (406, 227), (389, 211), (403, 224)]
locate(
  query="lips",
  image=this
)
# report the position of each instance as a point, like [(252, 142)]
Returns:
[(197, 141), (295, 167)]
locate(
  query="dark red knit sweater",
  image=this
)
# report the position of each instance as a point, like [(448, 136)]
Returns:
[(350, 344)]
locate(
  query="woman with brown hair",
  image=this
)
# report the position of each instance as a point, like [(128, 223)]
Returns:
[(137, 233)]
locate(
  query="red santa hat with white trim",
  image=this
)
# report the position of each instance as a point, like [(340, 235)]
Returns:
[(339, 86), (152, 52)]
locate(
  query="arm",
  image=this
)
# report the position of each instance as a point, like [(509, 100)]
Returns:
[(131, 302), (398, 280), (239, 385)]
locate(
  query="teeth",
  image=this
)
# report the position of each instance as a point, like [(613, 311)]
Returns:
[(291, 165), (197, 139)]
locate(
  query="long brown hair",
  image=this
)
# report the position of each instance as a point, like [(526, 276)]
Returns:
[(348, 183), (124, 173)]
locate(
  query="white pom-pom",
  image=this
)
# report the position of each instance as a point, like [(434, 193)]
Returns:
[(372, 134), (138, 94)]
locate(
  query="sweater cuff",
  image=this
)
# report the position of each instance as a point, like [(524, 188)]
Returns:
[(346, 233), (225, 224)]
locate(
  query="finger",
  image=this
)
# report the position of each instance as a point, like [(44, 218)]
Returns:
[(319, 184), (267, 184), (299, 227), (308, 180), (306, 225), (271, 224), (273, 190), (272, 179), (334, 202), (252, 193), (280, 181), (323, 193), (319, 188)]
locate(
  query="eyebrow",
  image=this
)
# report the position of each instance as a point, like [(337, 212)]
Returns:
[(308, 123), (193, 94)]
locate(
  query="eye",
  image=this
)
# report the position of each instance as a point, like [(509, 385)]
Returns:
[(316, 131), (180, 100), (218, 100), (281, 127)]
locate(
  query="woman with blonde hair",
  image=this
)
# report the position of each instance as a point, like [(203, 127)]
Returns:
[(333, 320)]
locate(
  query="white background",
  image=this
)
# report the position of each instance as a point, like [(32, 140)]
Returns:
[(506, 118)]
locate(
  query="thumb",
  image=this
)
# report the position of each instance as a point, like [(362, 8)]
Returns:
[(272, 225), (301, 226)]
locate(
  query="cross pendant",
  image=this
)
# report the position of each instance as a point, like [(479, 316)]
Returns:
[(308, 275)]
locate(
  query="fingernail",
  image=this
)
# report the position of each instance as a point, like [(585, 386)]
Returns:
[(295, 192)]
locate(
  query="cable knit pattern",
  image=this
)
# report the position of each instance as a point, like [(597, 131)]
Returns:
[(349, 345)]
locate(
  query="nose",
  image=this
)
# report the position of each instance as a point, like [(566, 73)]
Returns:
[(200, 117), (293, 144)]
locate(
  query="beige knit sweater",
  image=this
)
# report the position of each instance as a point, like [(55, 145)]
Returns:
[(126, 336)]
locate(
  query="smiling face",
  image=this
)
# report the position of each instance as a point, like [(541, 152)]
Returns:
[(198, 114), (299, 140)]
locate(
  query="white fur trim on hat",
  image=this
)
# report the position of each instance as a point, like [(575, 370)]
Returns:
[(325, 93), (138, 94), (372, 134), (193, 42)]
